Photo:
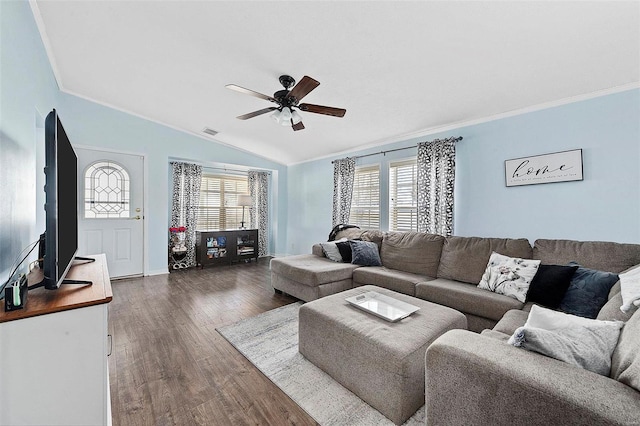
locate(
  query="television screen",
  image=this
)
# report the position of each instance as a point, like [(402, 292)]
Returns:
[(61, 207)]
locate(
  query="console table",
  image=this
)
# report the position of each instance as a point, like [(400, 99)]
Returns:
[(53, 353), (226, 247)]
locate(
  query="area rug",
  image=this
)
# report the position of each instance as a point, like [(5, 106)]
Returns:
[(270, 342)]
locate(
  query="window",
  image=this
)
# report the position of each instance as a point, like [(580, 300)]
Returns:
[(106, 191), (403, 211), (365, 202), (218, 207)]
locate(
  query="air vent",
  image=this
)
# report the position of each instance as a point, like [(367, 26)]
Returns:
[(209, 131)]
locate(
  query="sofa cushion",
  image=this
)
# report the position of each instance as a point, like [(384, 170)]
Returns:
[(625, 361), (511, 321), (587, 292), (510, 276), (415, 252), (604, 256), (465, 258), (496, 335), (400, 281), (311, 270), (466, 298), (550, 284)]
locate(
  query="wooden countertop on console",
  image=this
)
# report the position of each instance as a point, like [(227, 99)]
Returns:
[(41, 301)]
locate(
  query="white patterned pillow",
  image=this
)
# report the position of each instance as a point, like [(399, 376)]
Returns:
[(510, 276)]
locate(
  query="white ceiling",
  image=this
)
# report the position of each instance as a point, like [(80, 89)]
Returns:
[(401, 69)]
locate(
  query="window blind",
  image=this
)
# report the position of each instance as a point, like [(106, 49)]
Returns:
[(365, 202), (403, 212), (218, 208)]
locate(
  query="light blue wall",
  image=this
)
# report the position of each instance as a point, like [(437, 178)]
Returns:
[(604, 206), (91, 124), (28, 86), (27, 93)]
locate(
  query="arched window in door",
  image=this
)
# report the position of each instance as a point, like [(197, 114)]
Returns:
[(106, 191)]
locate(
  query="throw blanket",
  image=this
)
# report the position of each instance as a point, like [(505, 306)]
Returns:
[(630, 289)]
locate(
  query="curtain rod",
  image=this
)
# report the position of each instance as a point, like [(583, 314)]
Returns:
[(228, 169), (458, 139)]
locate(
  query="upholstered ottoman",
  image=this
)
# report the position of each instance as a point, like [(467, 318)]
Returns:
[(309, 277), (380, 361)]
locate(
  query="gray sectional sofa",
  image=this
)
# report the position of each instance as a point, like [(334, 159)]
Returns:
[(475, 377), (442, 270)]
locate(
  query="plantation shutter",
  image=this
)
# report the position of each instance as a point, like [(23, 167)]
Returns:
[(403, 212), (365, 201), (218, 209)]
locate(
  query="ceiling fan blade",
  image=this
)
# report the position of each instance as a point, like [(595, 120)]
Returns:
[(302, 89), (256, 113), (250, 92), (319, 109), (298, 126)]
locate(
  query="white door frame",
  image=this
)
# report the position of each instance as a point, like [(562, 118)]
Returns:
[(145, 174)]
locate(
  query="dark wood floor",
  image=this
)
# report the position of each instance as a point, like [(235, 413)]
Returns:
[(169, 366)]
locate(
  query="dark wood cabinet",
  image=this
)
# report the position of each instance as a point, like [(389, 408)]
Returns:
[(226, 247)]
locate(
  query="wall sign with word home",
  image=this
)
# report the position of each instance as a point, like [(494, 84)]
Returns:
[(548, 168)]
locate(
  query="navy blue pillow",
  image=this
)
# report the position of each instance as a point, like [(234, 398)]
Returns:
[(365, 253), (588, 292)]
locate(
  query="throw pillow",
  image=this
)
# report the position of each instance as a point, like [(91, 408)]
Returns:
[(630, 289), (365, 253), (550, 284), (510, 276), (588, 292), (582, 342), (345, 251), (331, 251)]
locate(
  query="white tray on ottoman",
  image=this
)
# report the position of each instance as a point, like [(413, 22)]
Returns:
[(380, 361)]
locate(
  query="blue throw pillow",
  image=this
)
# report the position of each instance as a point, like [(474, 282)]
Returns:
[(365, 253), (588, 292)]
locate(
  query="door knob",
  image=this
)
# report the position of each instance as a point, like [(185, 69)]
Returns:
[(136, 218)]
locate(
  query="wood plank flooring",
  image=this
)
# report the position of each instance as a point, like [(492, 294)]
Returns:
[(169, 366)]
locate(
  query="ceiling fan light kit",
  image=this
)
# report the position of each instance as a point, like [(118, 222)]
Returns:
[(287, 100)]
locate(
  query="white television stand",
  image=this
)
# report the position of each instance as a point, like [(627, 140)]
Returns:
[(53, 353)]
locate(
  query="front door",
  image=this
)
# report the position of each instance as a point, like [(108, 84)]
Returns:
[(110, 215)]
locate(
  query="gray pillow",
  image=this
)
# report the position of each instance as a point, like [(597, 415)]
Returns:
[(331, 251), (589, 347), (583, 342), (365, 253)]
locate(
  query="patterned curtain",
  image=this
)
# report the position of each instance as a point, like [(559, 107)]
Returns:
[(259, 211), (344, 171), (436, 176), (184, 205)]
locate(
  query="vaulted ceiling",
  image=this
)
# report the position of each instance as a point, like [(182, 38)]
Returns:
[(400, 69)]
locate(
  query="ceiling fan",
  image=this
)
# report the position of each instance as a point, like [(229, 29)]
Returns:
[(287, 100)]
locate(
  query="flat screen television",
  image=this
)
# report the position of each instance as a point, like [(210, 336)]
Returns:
[(61, 203)]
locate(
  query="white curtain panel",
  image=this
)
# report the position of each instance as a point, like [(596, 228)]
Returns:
[(436, 177), (344, 171), (184, 206), (259, 211)]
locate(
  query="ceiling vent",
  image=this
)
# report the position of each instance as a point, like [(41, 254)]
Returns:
[(209, 131)]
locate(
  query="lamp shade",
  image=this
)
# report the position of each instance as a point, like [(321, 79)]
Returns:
[(285, 117), (295, 117), (244, 200), (276, 116)]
